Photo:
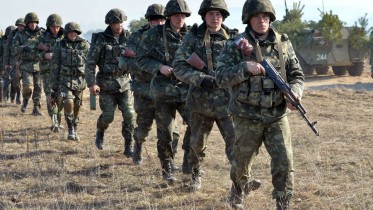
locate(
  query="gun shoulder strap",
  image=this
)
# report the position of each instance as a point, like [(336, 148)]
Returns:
[(207, 42), (165, 44), (281, 56)]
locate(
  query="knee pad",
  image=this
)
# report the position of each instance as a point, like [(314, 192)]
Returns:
[(68, 106), (107, 117), (26, 91)]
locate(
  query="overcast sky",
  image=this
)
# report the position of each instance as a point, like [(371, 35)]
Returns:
[(90, 14)]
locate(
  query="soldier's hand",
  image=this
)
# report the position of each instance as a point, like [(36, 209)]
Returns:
[(245, 47), (166, 70), (128, 53), (290, 106), (255, 68), (48, 56), (94, 89)]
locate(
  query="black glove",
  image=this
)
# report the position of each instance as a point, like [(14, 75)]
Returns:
[(26, 49), (208, 82)]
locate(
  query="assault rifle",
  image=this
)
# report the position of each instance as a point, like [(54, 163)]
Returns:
[(289, 94)]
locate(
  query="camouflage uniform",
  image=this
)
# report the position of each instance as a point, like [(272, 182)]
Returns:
[(114, 83), (207, 102), (143, 100), (68, 76), (48, 40), (169, 93), (24, 46), (13, 63), (4, 81), (258, 108)]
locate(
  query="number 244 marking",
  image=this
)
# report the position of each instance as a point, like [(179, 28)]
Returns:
[(321, 57)]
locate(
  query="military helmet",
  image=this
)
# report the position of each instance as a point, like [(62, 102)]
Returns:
[(72, 26), (31, 17), (177, 7), (155, 11), (9, 29), (208, 5), (115, 16), (20, 21), (54, 20), (253, 7)]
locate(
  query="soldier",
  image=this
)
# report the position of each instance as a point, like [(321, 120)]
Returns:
[(111, 83), (156, 54), (24, 47), (4, 69), (258, 108), (47, 41), (12, 64), (68, 75)]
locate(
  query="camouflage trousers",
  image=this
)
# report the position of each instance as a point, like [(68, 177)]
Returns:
[(108, 104), (145, 114), (31, 85), (52, 109), (72, 101), (15, 83), (201, 126), (276, 137), (165, 115)]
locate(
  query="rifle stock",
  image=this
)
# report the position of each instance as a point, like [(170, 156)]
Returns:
[(289, 94)]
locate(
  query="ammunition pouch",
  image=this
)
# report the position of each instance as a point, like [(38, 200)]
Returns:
[(156, 54), (111, 61), (259, 91)]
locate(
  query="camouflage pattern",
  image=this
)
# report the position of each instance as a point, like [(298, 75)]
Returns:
[(255, 123), (72, 26), (114, 83), (31, 17), (3, 76), (177, 7), (25, 50), (170, 93), (253, 7), (208, 5), (155, 10), (115, 16), (54, 20), (207, 105), (9, 30)]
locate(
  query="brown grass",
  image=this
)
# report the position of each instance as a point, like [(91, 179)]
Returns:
[(42, 170)]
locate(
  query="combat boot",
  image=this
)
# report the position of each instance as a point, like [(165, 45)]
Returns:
[(137, 157), (167, 172), (70, 129), (18, 97), (36, 111), (127, 149), (24, 105), (252, 186), (185, 167), (283, 203), (75, 126), (174, 167), (237, 197), (99, 139), (196, 183)]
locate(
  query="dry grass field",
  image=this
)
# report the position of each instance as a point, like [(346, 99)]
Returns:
[(42, 170)]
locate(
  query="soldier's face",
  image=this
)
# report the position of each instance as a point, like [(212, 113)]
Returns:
[(117, 28), (72, 35), (214, 19), (178, 20), (20, 27), (157, 22), (32, 25), (260, 23), (54, 29)]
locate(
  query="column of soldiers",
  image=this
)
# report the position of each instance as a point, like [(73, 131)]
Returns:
[(207, 74)]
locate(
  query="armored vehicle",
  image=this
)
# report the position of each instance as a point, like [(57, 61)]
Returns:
[(316, 53)]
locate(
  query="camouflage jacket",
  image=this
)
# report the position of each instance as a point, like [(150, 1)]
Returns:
[(2, 50), (246, 101), (8, 59), (49, 41), (213, 102), (24, 47), (104, 52), (68, 64), (140, 79), (151, 56)]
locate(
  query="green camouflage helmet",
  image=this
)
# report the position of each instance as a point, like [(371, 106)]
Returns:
[(31, 17), (54, 20), (156, 10), (9, 29), (253, 7), (20, 21), (208, 5), (115, 16), (177, 7), (72, 26)]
